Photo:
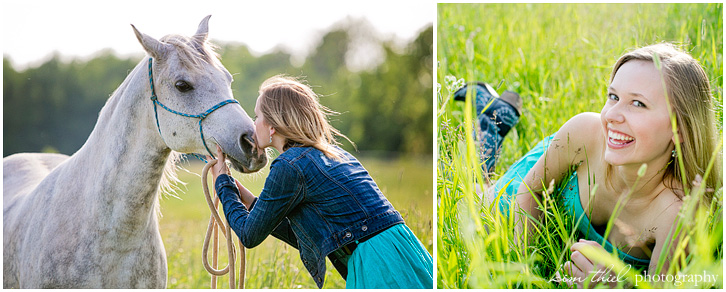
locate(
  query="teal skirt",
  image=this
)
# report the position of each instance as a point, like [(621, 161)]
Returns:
[(393, 259)]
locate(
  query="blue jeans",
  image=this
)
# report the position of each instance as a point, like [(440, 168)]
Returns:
[(495, 121)]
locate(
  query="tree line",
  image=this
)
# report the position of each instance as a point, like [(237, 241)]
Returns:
[(387, 108)]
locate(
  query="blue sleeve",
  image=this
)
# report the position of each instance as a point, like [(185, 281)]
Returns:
[(283, 191)]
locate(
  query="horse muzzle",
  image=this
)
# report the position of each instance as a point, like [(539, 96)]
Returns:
[(249, 158)]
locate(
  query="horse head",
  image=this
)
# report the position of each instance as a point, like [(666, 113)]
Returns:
[(194, 108)]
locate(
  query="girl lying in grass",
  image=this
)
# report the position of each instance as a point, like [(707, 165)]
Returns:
[(619, 165)]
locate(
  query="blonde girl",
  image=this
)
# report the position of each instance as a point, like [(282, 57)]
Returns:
[(319, 198), (629, 152)]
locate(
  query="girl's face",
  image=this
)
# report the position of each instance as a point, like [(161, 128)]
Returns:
[(635, 116), (263, 131)]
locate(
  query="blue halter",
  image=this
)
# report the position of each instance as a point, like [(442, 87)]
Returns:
[(201, 116)]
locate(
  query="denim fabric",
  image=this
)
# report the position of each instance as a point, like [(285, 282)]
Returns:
[(312, 202), (494, 122)]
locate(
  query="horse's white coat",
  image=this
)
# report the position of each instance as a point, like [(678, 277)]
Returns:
[(90, 220)]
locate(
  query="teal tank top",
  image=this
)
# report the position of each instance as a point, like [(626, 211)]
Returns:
[(512, 179)]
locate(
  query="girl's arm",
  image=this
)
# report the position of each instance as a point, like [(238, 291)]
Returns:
[(581, 267), (667, 239), (245, 195), (282, 192), (567, 148)]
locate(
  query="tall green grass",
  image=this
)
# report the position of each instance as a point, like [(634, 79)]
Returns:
[(274, 264), (558, 57)]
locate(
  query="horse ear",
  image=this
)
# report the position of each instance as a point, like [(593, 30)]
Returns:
[(203, 30), (152, 46)]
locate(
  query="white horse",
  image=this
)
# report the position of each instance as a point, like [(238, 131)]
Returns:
[(90, 220)]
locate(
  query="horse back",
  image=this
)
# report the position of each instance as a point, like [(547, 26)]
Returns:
[(22, 172)]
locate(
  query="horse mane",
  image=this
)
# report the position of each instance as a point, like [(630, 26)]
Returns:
[(193, 53), (168, 185), (169, 178)]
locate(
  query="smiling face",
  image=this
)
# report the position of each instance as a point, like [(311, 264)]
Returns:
[(635, 116)]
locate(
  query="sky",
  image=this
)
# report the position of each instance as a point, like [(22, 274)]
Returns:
[(34, 30)]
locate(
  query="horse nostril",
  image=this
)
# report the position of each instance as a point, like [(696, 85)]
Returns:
[(247, 138)]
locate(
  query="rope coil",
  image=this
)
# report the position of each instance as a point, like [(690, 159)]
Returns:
[(216, 224)]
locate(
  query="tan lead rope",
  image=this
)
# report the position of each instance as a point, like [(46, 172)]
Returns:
[(215, 221)]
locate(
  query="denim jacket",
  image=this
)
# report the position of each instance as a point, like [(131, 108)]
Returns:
[(312, 202)]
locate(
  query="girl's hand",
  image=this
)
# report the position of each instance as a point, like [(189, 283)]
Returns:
[(580, 267), (221, 166)]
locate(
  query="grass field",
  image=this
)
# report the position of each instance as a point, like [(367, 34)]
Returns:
[(273, 264), (558, 57)]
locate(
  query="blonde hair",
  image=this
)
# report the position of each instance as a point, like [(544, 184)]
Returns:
[(293, 110), (689, 94)]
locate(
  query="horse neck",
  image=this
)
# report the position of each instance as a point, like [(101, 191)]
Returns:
[(124, 157)]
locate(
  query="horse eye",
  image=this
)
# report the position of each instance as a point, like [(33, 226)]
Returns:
[(183, 86)]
